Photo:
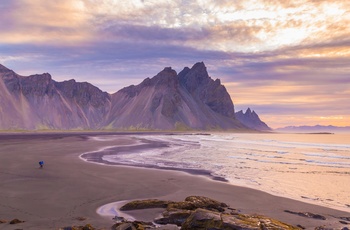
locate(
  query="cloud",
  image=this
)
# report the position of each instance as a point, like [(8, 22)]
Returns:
[(36, 21), (276, 56), (226, 25)]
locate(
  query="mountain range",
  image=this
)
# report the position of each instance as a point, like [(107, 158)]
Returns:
[(167, 101), (314, 129)]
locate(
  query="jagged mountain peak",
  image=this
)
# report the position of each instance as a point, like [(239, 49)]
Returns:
[(188, 99), (201, 86), (251, 119), (251, 113), (184, 71), (194, 77), (168, 69), (166, 72), (199, 66), (166, 76)]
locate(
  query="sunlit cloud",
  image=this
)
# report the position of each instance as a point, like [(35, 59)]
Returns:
[(36, 21), (252, 26), (280, 57)]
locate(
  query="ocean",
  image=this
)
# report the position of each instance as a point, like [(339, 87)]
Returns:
[(313, 168)]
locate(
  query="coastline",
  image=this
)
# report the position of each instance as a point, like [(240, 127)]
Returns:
[(97, 157), (68, 188), (141, 155)]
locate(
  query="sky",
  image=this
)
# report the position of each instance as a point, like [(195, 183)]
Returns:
[(287, 60)]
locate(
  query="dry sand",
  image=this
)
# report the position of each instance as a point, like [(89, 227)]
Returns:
[(68, 188)]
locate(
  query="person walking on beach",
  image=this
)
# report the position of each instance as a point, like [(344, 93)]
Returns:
[(41, 163)]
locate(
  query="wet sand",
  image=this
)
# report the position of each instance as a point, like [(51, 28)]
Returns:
[(68, 187)]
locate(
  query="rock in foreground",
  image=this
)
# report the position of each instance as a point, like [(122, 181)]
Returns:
[(144, 204), (205, 219), (85, 227), (197, 212)]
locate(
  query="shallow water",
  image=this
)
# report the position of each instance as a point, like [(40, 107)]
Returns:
[(314, 168)]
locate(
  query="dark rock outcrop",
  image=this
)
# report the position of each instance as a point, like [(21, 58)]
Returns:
[(251, 120), (307, 214), (16, 221), (190, 203), (168, 101), (85, 227), (197, 212), (135, 225), (324, 228), (205, 219), (194, 202), (345, 218), (144, 204), (176, 217)]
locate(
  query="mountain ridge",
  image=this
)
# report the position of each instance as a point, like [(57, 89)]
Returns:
[(38, 102), (190, 100)]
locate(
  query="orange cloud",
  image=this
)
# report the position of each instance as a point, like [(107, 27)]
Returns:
[(40, 21), (275, 55), (252, 26)]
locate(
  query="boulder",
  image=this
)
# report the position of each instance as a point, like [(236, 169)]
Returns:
[(124, 226), (135, 225), (86, 227), (174, 217), (307, 214), (206, 219), (16, 221), (203, 219), (194, 202), (323, 228), (144, 204)]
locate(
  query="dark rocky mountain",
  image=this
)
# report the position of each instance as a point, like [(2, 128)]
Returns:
[(251, 119), (315, 129), (168, 101)]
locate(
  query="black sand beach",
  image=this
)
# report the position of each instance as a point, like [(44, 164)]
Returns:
[(68, 187)]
